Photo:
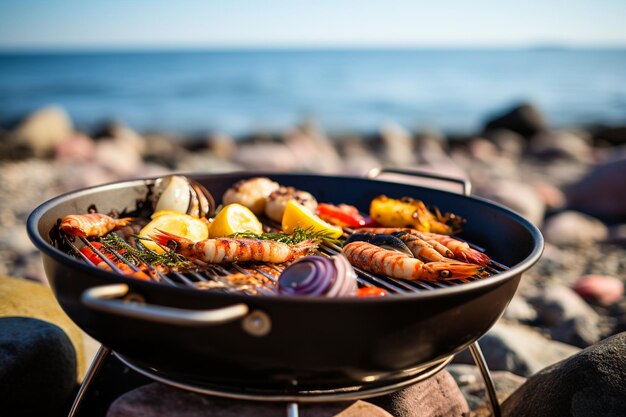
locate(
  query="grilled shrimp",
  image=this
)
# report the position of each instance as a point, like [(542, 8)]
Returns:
[(421, 249), (223, 250), (377, 260), (91, 225), (446, 245), (442, 249)]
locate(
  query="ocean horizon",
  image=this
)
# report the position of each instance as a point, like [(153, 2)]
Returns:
[(239, 90)]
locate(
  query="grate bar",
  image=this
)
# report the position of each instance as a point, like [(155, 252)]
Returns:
[(212, 276)]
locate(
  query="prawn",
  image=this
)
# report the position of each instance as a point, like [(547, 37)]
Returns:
[(92, 224), (223, 250), (394, 264), (448, 246)]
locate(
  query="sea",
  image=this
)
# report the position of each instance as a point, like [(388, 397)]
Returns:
[(357, 91)]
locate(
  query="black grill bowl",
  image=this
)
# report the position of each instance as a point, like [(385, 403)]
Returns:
[(313, 343)]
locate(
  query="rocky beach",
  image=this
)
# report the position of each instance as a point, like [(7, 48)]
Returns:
[(568, 182)]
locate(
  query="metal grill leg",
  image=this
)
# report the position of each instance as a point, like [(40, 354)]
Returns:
[(292, 410), (97, 362), (479, 360)]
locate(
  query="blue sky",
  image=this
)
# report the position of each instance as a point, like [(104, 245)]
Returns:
[(79, 24)]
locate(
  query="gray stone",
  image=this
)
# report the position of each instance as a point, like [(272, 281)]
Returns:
[(524, 119), (504, 382), (600, 193), (561, 144), (570, 319), (590, 383), (508, 142), (398, 145), (518, 349), (37, 367), (518, 196), (519, 310), (571, 228), (558, 303)]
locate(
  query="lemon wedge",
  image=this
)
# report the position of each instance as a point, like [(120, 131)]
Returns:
[(298, 215), (179, 224), (234, 218)]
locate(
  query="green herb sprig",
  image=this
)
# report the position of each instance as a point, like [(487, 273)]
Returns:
[(141, 254), (299, 235)]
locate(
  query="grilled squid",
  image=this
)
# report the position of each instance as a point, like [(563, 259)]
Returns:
[(180, 194), (277, 200)]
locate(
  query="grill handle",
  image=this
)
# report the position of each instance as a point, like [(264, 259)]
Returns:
[(465, 184), (105, 298)]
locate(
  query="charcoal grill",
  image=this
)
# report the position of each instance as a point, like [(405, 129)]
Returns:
[(414, 332)]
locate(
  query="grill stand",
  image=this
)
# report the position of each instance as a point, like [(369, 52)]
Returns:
[(293, 400)]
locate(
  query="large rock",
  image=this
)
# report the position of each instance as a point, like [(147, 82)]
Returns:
[(524, 119), (601, 192), (571, 228), (28, 299), (518, 349), (37, 368), (44, 130), (590, 383)]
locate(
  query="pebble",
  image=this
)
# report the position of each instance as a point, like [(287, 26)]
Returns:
[(518, 349), (520, 310), (602, 289), (571, 228), (589, 383)]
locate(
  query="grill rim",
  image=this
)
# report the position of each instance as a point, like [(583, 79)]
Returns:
[(37, 237)]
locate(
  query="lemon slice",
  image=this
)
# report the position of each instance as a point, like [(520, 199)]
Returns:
[(298, 215), (179, 224), (234, 218)]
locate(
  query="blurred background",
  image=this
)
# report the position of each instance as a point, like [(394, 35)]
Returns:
[(242, 66), (527, 99)]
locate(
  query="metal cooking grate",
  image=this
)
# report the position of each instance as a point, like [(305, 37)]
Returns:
[(261, 279)]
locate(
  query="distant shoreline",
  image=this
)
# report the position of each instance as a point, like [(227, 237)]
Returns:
[(174, 49)]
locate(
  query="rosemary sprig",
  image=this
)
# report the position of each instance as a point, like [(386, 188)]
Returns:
[(299, 235), (143, 255)]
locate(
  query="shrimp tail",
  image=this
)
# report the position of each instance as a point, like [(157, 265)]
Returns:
[(164, 238), (303, 248), (476, 257)]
